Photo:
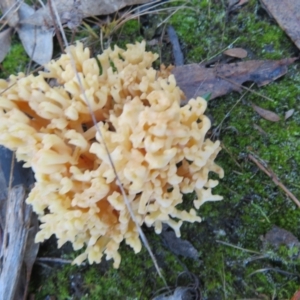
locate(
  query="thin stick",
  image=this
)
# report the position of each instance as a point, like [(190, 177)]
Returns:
[(237, 247), (57, 32), (118, 181), (275, 179), (11, 175), (54, 260), (245, 88)]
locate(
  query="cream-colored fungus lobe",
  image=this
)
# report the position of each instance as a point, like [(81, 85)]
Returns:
[(158, 148)]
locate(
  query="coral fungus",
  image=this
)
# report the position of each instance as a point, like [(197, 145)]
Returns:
[(158, 148)]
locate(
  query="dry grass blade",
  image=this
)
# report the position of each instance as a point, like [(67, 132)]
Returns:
[(275, 179), (141, 234), (144, 9), (237, 247)]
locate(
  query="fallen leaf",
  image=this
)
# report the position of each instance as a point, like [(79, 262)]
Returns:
[(180, 293), (288, 114), (236, 52), (198, 80), (5, 42), (9, 9), (266, 114), (278, 236), (84, 8), (179, 246), (37, 41), (287, 15)]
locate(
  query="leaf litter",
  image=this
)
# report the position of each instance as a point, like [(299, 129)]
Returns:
[(289, 113), (36, 27), (177, 245), (236, 52), (198, 80), (266, 114), (69, 8)]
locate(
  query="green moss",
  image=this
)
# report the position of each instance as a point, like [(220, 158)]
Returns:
[(207, 30), (15, 61), (129, 32)]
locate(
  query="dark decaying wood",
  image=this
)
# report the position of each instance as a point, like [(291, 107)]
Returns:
[(18, 226), (14, 238)]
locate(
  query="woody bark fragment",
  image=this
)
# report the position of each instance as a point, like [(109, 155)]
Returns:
[(18, 226), (14, 238)]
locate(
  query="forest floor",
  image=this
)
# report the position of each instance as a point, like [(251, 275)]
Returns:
[(237, 258)]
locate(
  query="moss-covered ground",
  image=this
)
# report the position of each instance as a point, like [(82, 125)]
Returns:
[(233, 264)]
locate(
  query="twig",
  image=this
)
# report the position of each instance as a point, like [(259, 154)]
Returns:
[(57, 31), (177, 53), (54, 260), (244, 87), (275, 179), (237, 247), (273, 269)]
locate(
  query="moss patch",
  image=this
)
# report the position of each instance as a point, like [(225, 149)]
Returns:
[(15, 61)]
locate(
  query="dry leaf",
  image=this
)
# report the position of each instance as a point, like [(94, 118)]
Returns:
[(198, 80), (84, 8), (288, 114), (287, 15), (37, 41), (177, 245), (266, 114), (236, 52), (9, 9), (5, 42), (278, 236)]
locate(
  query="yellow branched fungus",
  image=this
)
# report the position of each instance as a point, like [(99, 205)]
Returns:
[(158, 148)]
